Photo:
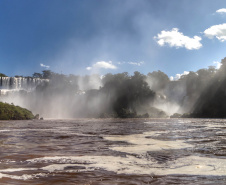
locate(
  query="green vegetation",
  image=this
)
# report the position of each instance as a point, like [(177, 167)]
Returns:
[(12, 112), (127, 94), (212, 101), (2, 75), (121, 95), (196, 94), (46, 74)]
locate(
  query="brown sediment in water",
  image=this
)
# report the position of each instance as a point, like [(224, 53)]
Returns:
[(114, 150)]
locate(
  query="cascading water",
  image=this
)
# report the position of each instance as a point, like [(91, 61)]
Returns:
[(21, 91), (11, 84)]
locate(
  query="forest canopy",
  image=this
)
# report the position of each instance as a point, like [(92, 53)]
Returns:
[(196, 94)]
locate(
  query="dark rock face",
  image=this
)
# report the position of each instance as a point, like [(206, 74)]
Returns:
[(36, 116)]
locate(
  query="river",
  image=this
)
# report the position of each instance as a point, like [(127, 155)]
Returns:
[(113, 151)]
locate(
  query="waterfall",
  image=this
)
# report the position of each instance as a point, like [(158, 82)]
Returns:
[(20, 83)]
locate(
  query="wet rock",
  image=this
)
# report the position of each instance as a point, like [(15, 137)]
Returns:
[(36, 116)]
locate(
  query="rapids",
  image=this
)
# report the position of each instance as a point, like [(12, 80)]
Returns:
[(113, 151)]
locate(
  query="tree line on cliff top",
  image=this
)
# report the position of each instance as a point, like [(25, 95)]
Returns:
[(199, 94)]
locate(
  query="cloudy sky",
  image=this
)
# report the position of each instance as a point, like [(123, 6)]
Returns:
[(101, 36)]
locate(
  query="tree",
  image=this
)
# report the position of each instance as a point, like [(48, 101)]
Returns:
[(127, 93), (18, 76), (157, 80), (37, 75), (2, 75), (212, 101), (47, 74)]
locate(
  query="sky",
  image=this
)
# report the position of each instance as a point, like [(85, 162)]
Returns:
[(111, 36)]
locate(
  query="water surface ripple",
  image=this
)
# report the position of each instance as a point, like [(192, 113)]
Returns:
[(113, 151)]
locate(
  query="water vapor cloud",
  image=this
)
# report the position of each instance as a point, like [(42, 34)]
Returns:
[(102, 65), (132, 63), (136, 63), (177, 39), (217, 64), (218, 31), (221, 11), (178, 76), (45, 66)]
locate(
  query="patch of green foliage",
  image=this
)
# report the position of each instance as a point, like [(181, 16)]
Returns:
[(12, 112), (127, 94), (212, 101), (2, 75), (121, 96)]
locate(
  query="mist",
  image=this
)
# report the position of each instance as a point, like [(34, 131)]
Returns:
[(54, 95)]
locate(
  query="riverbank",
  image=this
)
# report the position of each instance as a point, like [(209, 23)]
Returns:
[(12, 112)]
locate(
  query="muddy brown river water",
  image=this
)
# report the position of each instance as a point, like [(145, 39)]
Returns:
[(113, 151)]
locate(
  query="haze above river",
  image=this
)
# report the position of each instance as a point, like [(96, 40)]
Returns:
[(113, 151)]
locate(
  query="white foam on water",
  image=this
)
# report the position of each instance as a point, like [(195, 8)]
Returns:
[(221, 132), (216, 125), (7, 161), (17, 169), (140, 144), (110, 163), (5, 130), (61, 130), (59, 167), (168, 121), (136, 161), (26, 130), (24, 176), (152, 122), (192, 165)]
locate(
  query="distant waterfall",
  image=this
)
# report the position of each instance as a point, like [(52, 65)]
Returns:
[(27, 84)]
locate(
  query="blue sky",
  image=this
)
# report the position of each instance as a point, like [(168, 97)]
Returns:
[(101, 36)]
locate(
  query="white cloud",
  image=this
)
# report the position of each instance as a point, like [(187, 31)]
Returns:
[(131, 63), (121, 63), (217, 64), (136, 63), (178, 76), (102, 65), (45, 66), (174, 38), (218, 31), (222, 10)]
